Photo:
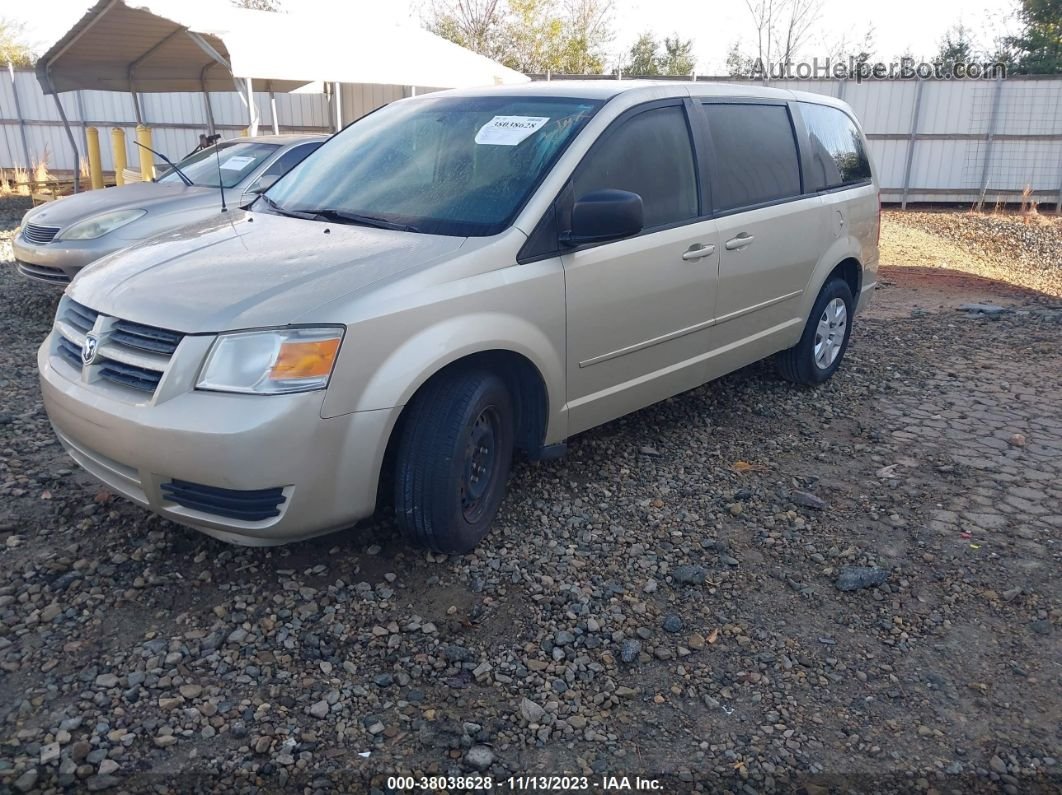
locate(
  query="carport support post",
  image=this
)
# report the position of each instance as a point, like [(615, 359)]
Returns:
[(273, 112), (252, 109), (339, 106), (988, 143), (73, 144), (911, 143), (18, 114)]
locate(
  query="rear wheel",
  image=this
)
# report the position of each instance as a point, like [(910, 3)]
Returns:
[(818, 354), (453, 460)]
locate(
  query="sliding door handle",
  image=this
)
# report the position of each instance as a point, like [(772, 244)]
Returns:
[(698, 251), (739, 242)]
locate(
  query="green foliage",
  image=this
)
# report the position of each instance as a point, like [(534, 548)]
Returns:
[(1038, 49), (13, 48), (955, 47), (533, 36), (647, 59)]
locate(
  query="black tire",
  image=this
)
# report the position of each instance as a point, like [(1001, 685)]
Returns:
[(458, 422), (800, 364)]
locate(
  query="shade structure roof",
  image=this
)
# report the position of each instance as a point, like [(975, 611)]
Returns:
[(177, 45)]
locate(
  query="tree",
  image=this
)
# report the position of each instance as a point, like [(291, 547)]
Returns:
[(644, 60), (782, 28), (738, 64), (563, 36), (858, 52), (475, 24), (13, 48), (1038, 48), (258, 5), (798, 16), (678, 56), (955, 47)]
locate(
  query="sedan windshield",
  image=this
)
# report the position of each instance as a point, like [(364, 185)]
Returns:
[(238, 159), (448, 166)]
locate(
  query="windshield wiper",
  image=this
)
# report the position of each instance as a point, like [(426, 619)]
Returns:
[(281, 211), (188, 183), (344, 217)]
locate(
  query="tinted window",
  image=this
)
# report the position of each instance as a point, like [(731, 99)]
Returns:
[(755, 155), (442, 165), (838, 156), (291, 158), (649, 154)]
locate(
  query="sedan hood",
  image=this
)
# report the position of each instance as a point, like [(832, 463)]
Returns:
[(243, 270), (141, 195)]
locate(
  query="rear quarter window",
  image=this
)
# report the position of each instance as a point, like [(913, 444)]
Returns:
[(838, 154), (754, 154)]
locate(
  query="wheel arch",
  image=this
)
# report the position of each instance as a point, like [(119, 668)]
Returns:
[(526, 385)]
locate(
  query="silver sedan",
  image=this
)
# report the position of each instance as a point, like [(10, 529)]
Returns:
[(58, 239)]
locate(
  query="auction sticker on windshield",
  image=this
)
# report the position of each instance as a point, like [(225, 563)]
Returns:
[(509, 130), (237, 163)]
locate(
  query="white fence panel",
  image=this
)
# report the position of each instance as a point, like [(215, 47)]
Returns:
[(971, 137)]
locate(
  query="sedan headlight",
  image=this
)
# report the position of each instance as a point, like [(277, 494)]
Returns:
[(271, 362), (99, 225)]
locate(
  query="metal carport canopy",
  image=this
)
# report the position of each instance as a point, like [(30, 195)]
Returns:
[(166, 45)]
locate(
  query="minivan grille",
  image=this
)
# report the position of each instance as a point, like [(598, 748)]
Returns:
[(249, 505), (40, 235), (133, 370), (130, 375), (80, 317), (145, 338)]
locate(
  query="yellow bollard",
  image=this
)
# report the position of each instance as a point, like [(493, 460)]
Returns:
[(118, 150), (147, 162), (92, 136)]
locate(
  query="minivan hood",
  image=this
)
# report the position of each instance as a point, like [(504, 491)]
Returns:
[(242, 270), (142, 195)]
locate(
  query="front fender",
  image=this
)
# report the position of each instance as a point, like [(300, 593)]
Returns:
[(386, 359)]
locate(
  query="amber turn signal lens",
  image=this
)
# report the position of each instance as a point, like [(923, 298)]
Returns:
[(305, 360)]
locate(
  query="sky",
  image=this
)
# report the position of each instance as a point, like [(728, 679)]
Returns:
[(713, 25)]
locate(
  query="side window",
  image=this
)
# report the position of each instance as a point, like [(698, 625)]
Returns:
[(838, 155), (756, 158), (649, 154), (291, 158)]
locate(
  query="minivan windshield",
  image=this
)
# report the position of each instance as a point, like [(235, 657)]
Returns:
[(448, 166), (238, 159)]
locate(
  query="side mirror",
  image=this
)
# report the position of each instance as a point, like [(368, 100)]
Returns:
[(264, 183), (605, 215)]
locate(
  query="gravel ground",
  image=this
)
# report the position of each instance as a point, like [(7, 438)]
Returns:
[(748, 588), (1025, 251)]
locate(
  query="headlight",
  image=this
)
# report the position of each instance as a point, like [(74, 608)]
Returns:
[(271, 362), (100, 225)]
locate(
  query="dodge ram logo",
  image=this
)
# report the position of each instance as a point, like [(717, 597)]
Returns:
[(89, 348)]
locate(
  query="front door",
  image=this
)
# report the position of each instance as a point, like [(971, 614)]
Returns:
[(640, 310)]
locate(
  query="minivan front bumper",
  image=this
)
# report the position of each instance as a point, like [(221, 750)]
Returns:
[(327, 470)]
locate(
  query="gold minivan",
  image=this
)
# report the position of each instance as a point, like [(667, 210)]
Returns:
[(454, 278)]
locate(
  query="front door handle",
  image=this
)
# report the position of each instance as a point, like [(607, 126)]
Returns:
[(698, 251), (739, 242)]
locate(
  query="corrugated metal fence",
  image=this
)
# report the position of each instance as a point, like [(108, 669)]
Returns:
[(176, 120), (931, 141)]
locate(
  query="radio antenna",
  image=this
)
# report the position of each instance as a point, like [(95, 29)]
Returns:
[(221, 185)]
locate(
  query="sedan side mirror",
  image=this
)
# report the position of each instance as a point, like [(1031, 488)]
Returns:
[(605, 215)]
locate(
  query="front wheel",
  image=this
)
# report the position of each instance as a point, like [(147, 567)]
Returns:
[(453, 460), (821, 347)]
